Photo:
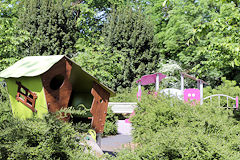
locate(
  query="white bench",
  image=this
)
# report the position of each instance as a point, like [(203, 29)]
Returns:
[(122, 107)]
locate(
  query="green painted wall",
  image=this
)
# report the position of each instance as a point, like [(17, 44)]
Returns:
[(34, 84), (81, 98)]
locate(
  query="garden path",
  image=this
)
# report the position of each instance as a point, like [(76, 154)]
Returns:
[(115, 143)]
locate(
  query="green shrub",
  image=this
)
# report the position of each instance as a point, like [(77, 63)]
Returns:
[(47, 138), (35, 138), (166, 128), (125, 96), (110, 127)]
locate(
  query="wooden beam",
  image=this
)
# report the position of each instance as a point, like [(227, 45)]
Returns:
[(193, 78)]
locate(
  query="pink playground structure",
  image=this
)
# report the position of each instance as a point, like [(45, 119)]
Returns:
[(188, 95), (149, 79), (192, 96)]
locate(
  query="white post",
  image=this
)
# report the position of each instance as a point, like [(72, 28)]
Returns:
[(139, 94), (201, 92), (198, 84), (139, 86), (157, 82), (182, 82)]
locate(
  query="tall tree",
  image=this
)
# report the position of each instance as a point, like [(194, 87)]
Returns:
[(10, 36), (52, 27), (93, 16), (125, 51), (129, 32), (202, 35)]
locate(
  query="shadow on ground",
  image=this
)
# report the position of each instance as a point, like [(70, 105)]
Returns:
[(113, 144)]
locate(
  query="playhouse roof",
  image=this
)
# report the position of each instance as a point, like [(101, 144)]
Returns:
[(150, 78), (36, 65)]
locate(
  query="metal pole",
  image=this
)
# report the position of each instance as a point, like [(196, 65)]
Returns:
[(139, 94), (201, 92), (139, 86), (157, 82)]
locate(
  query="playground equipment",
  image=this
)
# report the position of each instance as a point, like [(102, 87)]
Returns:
[(227, 97), (198, 93), (149, 79), (199, 85), (41, 84), (188, 95), (157, 77), (192, 96)]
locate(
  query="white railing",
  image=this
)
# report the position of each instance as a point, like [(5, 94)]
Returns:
[(223, 95)]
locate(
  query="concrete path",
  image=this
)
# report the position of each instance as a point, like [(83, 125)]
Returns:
[(115, 143)]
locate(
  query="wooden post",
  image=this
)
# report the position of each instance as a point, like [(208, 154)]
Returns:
[(157, 82), (201, 92), (182, 82), (99, 107)]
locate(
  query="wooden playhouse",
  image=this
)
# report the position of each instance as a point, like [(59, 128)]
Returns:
[(41, 84)]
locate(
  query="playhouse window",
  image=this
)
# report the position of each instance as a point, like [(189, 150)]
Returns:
[(25, 96)]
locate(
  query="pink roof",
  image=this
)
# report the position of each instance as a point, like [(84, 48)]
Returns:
[(151, 78)]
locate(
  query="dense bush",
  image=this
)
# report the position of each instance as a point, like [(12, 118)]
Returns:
[(126, 96), (47, 138), (164, 128), (110, 127), (170, 129)]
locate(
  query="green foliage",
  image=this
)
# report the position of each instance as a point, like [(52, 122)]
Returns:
[(110, 127), (228, 88), (118, 45), (51, 25), (100, 63), (202, 35), (170, 129), (172, 70), (126, 50), (5, 108), (126, 96), (10, 36), (217, 41), (47, 138), (129, 33)]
